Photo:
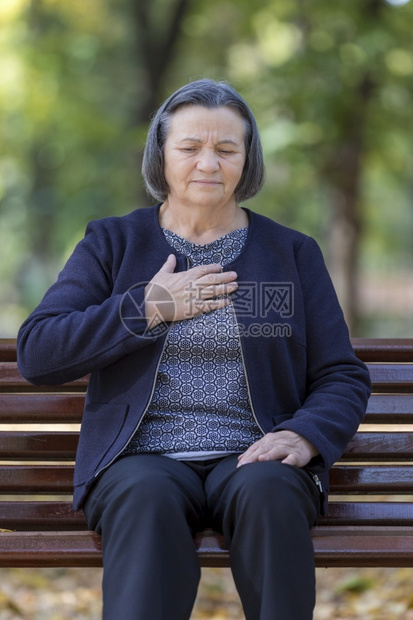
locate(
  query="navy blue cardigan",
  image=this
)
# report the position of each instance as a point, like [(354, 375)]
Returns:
[(301, 370)]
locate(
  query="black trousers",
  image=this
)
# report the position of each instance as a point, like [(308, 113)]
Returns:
[(147, 508)]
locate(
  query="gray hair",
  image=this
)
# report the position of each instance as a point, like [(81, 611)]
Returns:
[(208, 94)]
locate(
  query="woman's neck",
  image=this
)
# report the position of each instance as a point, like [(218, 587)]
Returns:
[(201, 225)]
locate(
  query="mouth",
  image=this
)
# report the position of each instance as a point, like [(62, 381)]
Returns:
[(206, 182)]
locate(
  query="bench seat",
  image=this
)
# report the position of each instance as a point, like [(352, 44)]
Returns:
[(371, 511)]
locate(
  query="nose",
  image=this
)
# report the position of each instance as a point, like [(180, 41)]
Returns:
[(208, 161)]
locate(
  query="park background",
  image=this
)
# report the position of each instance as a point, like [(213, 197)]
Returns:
[(331, 86)]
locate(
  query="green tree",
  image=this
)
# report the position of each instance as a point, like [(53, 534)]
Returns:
[(84, 78), (330, 84)]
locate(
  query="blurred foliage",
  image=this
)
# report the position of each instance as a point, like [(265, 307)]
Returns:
[(331, 86), (75, 593)]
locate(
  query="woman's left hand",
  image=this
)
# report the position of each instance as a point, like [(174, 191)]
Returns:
[(285, 446)]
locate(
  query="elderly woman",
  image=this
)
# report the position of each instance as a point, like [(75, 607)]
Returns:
[(223, 385)]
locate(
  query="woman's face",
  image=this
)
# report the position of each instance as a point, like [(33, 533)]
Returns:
[(204, 156)]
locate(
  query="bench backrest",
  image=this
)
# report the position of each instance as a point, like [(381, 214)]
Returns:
[(39, 433)]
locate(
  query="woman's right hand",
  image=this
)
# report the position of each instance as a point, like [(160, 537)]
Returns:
[(173, 296)]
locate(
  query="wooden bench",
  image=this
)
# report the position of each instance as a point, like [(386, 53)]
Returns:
[(370, 517)]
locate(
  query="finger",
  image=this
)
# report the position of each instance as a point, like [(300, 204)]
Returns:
[(250, 455), (273, 450), (257, 446), (214, 278), (218, 289), (291, 459), (208, 305), (203, 270), (253, 447), (294, 459), (169, 265), (244, 460)]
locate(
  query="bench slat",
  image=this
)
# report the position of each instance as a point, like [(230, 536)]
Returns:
[(68, 408), (59, 515), (367, 349), (353, 546), (57, 479), (44, 515), (393, 408), (391, 377), (383, 446), (61, 446), (385, 480), (8, 350), (29, 479), (384, 349), (368, 513), (338, 547), (36, 445), (38, 408), (385, 377), (12, 381), (50, 549)]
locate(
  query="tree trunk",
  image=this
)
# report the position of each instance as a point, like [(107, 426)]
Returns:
[(155, 48), (343, 173)]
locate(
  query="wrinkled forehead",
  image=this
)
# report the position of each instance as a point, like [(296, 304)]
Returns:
[(186, 116)]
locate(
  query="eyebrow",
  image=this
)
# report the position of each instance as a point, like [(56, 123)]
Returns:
[(199, 140)]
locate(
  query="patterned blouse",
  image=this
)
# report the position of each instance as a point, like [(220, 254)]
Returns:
[(200, 407)]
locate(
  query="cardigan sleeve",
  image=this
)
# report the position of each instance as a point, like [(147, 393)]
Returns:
[(77, 328), (338, 383)]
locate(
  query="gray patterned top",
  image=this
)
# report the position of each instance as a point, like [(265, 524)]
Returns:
[(200, 406)]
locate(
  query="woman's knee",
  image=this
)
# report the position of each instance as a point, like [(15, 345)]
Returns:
[(275, 488), (133, 488)]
